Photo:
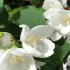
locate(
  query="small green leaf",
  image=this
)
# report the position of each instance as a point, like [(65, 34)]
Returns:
[(12, 13)]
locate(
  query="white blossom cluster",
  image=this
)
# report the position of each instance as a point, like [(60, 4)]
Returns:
[(37, 42), (58, 19)]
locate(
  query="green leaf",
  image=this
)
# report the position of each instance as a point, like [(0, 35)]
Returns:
[(1, 4), (14, 13), (31, 16), (63, 51)]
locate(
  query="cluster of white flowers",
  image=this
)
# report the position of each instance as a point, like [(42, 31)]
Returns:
[(36, 41), (58, 18)]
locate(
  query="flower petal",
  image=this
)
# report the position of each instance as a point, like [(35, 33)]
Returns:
[(63, 2), (1, 53), (27, 64), (31, 50), (52, 17), (56, 36), (65, 66), (68, 37), (42, 31), (46, 47), (65, 30), (47, 14), (48, 4), (24, 32)]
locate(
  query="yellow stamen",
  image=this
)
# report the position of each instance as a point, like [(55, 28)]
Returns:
[(67, 19), (32, 41), (14, 59)]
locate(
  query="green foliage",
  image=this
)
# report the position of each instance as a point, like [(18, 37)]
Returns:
[(1, 4), (31, 16)]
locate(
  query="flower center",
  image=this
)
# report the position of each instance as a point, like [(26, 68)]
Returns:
[(15, 59), (32, 41), (67, 19)]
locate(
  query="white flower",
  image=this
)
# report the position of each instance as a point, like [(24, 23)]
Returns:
[(17, 59), (6, 40), (35, 42), (49, 4), (59, 20)]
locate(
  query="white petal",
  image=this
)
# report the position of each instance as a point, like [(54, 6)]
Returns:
[(64, 1), (1, 53), (31, 50), (47, 14), (68, 60), (65, 30), (52, 4), (27, 64), (42, 31), (52, 17), (30, 63), (6, 54), (56, 36), (46, 47), (68, 38), (65, 66), (24, 32)]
